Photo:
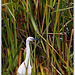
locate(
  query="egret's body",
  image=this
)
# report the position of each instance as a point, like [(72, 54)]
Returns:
[(22, 69)]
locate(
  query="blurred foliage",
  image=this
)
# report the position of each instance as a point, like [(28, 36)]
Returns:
[(50, 20)]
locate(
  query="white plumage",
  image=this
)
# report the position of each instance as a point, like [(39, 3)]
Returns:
[(22, 69)]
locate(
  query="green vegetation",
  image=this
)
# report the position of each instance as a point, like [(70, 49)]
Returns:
[(50, 20)]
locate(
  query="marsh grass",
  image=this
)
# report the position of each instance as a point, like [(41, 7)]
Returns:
[(50, 20)]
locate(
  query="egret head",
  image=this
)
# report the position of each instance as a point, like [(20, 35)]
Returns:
[(30, 39)]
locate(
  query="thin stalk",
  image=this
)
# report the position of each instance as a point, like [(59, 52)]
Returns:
[(35, 54), (56, 20), (43, 19), (53, 34), (47, 33), (14, 25), (68, 60), (64, 9), (71, 39), (27, 14), (59, 41)]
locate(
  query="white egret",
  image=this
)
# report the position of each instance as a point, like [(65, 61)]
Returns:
[(26, 63)]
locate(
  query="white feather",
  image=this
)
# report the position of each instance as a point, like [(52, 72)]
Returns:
[(21, 69)]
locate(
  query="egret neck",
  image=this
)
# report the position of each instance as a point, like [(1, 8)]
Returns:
[(27, 53)]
